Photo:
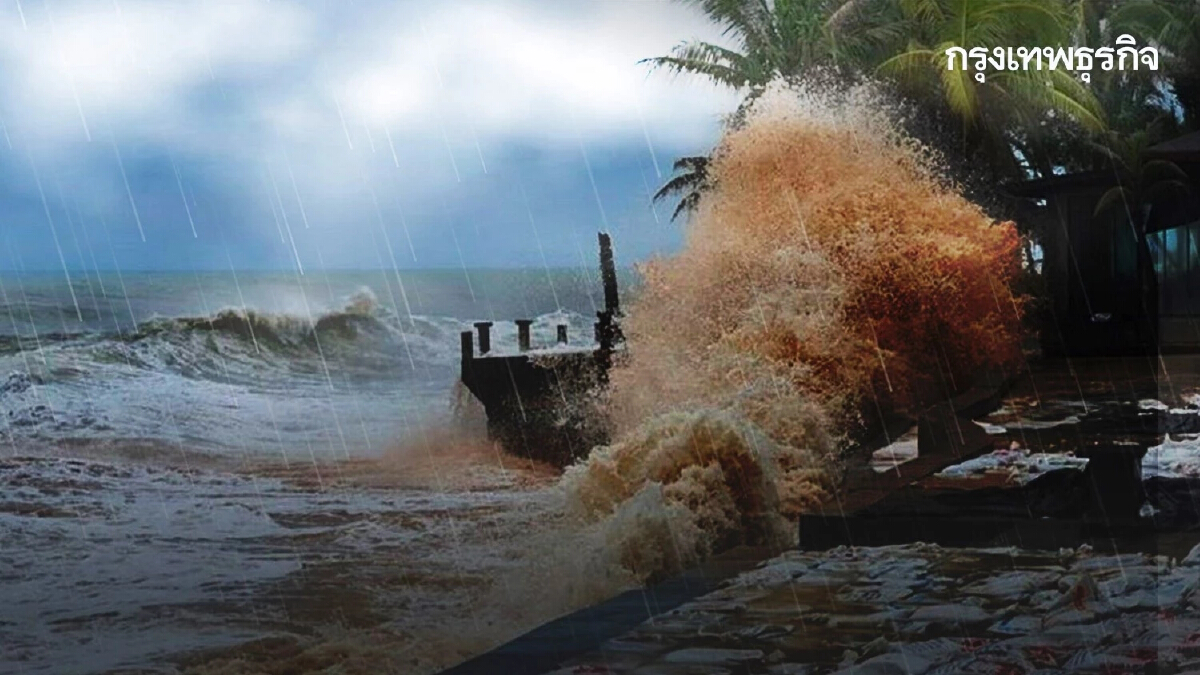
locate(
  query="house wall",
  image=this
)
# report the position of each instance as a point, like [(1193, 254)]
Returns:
[(1091, 273)]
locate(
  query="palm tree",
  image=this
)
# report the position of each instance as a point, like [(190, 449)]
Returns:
[(906, 40), (1174, 26), (994, 115), (783, 39), (1130, 100), (780, 39), (1142, 183), (1015, 125), (689, 183)]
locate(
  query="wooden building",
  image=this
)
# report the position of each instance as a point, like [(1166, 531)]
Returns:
[(1105, 297)]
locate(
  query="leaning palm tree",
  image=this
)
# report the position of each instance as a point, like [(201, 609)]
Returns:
[(689, 184), (783, 39)]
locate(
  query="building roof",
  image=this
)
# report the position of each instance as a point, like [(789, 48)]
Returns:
[(1039, 188), (1185, 148)]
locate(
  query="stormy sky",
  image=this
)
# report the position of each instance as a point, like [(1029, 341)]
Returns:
[(177, 134)]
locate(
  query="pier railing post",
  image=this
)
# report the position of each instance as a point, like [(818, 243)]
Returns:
[(608, 274), (485, 336), (468, 350), (562, 333), (523, 333)]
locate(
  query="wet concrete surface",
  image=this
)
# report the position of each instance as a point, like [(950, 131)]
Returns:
[(917, 609)]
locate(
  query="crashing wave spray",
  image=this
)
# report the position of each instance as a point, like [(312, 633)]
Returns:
[(829, 279)]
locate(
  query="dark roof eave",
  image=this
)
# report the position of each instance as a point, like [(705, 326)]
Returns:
[(1040, 188), (1185, 148)]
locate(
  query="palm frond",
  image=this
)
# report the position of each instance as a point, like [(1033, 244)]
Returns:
[(677, 185), (717, 63), (689, 183), (1055, 90), (1113, 197), (686, 205), (908, 63), (959, 89), (1165, 189), (846, 13), (1158, 170)]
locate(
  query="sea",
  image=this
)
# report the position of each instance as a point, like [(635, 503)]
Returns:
[(191, 461), (261, 364)]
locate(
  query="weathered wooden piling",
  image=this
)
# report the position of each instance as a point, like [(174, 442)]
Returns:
[(562, 333), (468, 348), (608, 328), (485, 336), (608, 275), (523, 333)]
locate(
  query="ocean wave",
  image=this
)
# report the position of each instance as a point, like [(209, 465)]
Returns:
[(361, 318), (361, 339)]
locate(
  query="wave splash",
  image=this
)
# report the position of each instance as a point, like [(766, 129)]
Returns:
[(829, 279)]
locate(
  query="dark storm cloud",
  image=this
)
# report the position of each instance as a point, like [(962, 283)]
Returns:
[(339, 133)]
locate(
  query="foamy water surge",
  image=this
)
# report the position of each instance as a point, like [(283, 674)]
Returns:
[(829, 279)]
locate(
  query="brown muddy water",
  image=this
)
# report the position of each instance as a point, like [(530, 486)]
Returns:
[(400, 564)]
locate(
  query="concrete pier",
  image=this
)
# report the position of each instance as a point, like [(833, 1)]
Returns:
[(539, 403)]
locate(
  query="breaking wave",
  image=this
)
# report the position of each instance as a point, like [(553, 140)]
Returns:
[(347, 380), (364, 338)]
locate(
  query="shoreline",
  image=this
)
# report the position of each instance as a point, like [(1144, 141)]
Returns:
[(175, 562)]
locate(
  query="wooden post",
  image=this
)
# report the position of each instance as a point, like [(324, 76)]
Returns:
[(562, 333), (608, 274), (523, 333), (468, 351), (485, 336), (1114, 475)]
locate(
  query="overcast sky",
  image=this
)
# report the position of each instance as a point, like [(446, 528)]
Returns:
[(340, 133)]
